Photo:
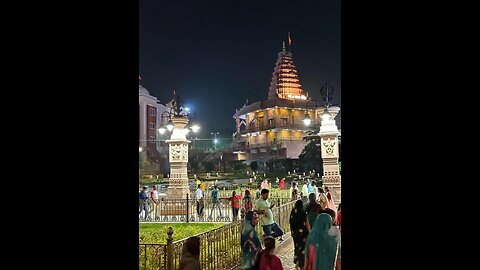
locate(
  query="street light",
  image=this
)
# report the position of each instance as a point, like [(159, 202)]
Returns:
[(195, 127), (140, 149), (326, 114), (162, 130), (178, 110), (327, 94), (170, 125), (307, 120), (215, 139)]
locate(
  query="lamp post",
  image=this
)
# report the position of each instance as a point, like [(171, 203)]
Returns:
[(178, 148), (329, 144), (215, 139)]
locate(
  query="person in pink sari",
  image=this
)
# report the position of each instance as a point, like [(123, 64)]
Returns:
[(331, 203), (264, 184)]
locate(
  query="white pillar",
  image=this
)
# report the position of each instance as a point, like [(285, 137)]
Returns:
[(329, 143), (178, 157)]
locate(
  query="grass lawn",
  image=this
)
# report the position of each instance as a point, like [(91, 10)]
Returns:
[(156, 233)]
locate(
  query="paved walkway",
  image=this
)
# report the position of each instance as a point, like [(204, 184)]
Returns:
[(285, 252)]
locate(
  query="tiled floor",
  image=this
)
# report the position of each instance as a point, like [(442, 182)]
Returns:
[(285, 253)]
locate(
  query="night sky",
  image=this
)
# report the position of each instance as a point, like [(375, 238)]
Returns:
[(217, 54)]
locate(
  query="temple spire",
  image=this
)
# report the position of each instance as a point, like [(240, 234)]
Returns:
[(285, 83)]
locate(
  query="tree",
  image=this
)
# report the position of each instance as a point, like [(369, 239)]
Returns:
[(311, 156), (240, 166), (254, 166), (208, 165), (194, 165)]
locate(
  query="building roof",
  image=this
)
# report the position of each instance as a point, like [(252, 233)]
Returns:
[(280, 102), (142, 90)]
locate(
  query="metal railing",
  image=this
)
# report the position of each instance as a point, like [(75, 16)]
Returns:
[(152, 256), (219, 249), (188, 210)]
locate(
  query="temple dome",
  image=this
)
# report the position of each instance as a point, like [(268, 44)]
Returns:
[(142, 90)]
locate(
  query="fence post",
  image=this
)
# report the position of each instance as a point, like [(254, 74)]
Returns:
[(280, 216), (187, 207), (170, 248)]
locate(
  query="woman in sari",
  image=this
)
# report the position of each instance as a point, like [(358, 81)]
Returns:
[(321, 248), (331, 203), (299, 227), (322, 199), (250, 241)]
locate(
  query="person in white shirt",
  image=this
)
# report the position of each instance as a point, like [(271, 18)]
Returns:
[(315, 189), (200, 201), (305, 193), (154, 201)]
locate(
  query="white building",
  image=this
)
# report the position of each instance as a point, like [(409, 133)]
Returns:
[(150, 119)]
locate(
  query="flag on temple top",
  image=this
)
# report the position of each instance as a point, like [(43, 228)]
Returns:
[(289, 39)]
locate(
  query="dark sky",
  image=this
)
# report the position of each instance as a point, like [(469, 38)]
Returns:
[(217, 54)]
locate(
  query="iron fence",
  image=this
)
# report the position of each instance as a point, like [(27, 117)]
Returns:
[(219, 248), (191, 210)]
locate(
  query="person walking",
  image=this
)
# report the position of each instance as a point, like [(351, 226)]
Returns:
[(264, 209)]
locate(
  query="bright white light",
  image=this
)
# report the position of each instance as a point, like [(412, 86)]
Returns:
[(187, 109), (162, 130), (195, 128), (307, 120), (215, 141), (170, 125), (325, 116), (140, 149)]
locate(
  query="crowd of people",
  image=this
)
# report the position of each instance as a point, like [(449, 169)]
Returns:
[(315, 226)]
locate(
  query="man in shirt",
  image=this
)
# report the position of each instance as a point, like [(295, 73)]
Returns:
[(142, 201), (315, 189), (154, 200), (263, 208), (199, 199), (215, 201), (304, 193)]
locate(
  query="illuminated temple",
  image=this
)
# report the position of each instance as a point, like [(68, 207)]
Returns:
[(273, 128)]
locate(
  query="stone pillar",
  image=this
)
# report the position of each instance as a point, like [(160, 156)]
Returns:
[(329, 143), (178, 157)]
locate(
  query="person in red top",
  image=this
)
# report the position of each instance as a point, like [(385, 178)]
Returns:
[(235, 202), (247, 201), (282, 184), (265, 259)]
